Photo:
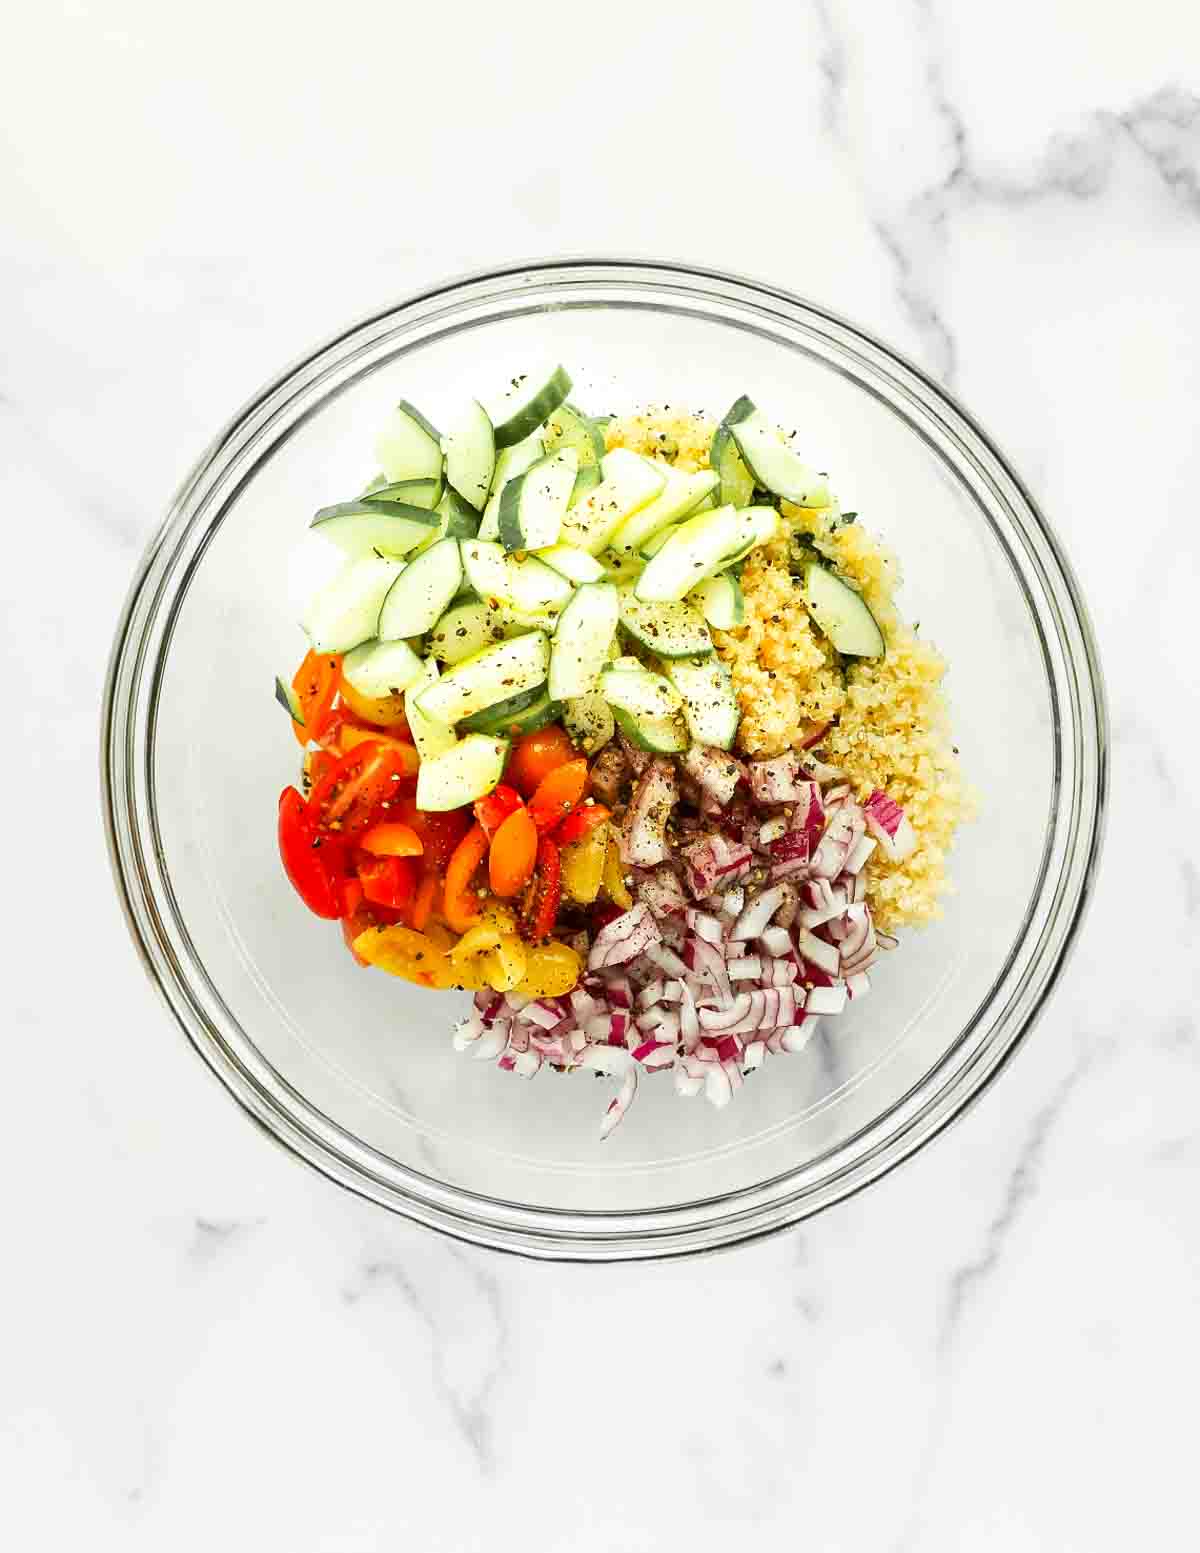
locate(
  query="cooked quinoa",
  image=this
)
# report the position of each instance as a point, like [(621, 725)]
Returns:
[(881, 721)]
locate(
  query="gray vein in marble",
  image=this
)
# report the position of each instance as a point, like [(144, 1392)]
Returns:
[(213, 1236), (468, 1407), (1191, 886)]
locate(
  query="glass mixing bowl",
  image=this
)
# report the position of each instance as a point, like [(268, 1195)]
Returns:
[(353, 1070)]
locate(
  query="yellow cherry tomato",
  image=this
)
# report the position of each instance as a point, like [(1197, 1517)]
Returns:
[(551, 970)]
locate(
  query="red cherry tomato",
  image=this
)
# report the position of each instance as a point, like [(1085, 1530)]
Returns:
[(315, 863)]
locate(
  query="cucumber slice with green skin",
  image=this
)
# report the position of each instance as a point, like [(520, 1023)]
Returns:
[(533, 505), (602, 423), (430, 737), (456, 519), (380, 669), (639, 692), (345, 613), (586, 480), (289, 701), (420, 596), (527, 586), (697, 547), (470, 451), (656, 541), (628, 484), (487, 569), (680, 496), (567, 427), (490, 676), (661, 735), (672, 630), (410, 493), (710, 707), (528, 404), (461, 774), (772, 463), (465, 630), (624, 570), (526, 713), (510, 463), (841, 613), (582, 640), (721, 601), (737, 483), (575, 565), (589, 721), (361, 529), (409, 448)]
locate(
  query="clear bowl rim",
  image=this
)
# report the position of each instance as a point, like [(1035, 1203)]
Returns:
[(698, 1226)]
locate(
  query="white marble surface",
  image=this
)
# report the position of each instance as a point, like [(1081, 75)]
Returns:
[(203, 1344)]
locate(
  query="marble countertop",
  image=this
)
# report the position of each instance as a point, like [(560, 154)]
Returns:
[(203, 1344)]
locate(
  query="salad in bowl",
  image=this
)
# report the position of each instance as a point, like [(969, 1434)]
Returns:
[(613, 722)]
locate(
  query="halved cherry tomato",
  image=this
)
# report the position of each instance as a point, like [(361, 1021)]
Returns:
[(422, 903), (316, 764), (495, 807), (354, 791), (351, 734), (392, 839), (536, 755), (460, 907), (387, 881), (315, 863), (546, 893), (581, 820), (440, 831), (351, 896), (513, 853), (316, 684), (558, 793)]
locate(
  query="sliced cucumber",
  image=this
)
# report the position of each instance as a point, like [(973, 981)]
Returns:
[(380, 669), (756, 526), (771, 461), (465, 630), (526, 713), (587, 479), (289, 701), (409, 447), (841, 613), (490, 676), (710, 706), (567, 427), (410, 493), (737, 483), (456, 519), (535, 588), (582, 639), (575, 565), (640, 692), (430, 737), (697, 547), (487, 569), (346, 611), (528, 404), (656, 541), (510, 463), (681, 495), (420, 596), (360, 528), (470, 449), (721, 601), (629, 483), (461, 774), (662, 735), (589, 721), (533, 505), (672, 630)]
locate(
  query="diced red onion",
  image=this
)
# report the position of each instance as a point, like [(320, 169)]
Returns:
[(717, 1088), (666, 960), (747, 968), (661, 891), (796, 1037), (704, 926), (775, 940), (815, 950), (717, 771), (754, 1056), (621, 940), (755, 916), (826, 1000), (858, 985), (643, 833), (889, 825), (776, 780), (859, 853), (650, 993), (616, 1063)]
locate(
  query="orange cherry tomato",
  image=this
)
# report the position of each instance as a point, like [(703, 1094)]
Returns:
[(422, 904), (316, 685), (392, 839), (440, 832), (459, 906), (513, 854), (536, 755), (354, 792), (558, 793), (495, 807), (387, 881)]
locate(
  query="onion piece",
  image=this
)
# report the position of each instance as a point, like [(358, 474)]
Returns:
[(666, 960), (622, 939), (887, 822), (704, 926), (776, 780), (824, 956), (613, 1062), (746, 968), (717, 771), (755, 916), (826, 1000), (776, 941)]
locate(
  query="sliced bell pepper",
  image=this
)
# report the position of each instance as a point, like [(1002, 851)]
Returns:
[(422, 903)]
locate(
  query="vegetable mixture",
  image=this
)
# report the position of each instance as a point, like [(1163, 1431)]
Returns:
[(615, 724)]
